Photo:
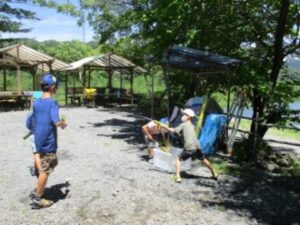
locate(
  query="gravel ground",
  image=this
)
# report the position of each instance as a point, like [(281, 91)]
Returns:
[(100, 154)]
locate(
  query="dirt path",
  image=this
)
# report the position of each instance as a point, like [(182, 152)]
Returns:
[(100, 154)]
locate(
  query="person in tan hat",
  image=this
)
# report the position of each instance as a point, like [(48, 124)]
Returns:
[(191, 148), (152, 133)]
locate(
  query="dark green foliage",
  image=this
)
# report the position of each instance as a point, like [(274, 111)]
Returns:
[(254, 31), (243, 151)]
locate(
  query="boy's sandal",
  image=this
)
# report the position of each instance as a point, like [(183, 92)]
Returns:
[(176, 179)]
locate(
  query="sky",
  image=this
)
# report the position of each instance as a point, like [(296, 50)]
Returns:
[(51, 26)]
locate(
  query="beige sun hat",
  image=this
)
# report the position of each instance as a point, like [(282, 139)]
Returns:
[(188, 112)]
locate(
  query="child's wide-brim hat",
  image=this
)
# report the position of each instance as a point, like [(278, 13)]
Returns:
[(188, 112)]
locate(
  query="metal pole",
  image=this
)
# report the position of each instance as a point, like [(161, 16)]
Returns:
[(167, 79)]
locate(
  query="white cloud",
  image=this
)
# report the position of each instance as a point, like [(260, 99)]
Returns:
[(56, 20)]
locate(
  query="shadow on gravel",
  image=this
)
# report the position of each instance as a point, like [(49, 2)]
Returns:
[(129, 131), (186, 175), (57, 192), (270, 199)]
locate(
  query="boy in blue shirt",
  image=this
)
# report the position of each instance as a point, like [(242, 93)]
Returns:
[(30, 125), (36, 158), (46, 119)]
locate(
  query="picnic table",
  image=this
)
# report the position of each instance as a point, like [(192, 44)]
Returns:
[(12, 100)]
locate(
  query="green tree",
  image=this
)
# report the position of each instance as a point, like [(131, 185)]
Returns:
[(260, 32), (68, 51), (11, 17)]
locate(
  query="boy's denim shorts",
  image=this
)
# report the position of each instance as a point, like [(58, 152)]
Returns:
[(48, 161)]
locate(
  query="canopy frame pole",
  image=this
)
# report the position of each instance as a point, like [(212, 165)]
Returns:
[(166, 72)]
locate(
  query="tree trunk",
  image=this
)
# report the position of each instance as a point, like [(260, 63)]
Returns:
[(261, 103), (258, 108)]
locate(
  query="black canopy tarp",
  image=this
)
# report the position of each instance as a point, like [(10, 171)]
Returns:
[(196, 61), (199, 61)]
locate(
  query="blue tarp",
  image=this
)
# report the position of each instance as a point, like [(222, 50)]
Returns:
[(213, 124), (210, 132)]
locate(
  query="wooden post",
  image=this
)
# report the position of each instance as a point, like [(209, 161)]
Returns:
[(89, 78), (74, 80), (4, 79), (131, 86), (121, 87), (50, 68), (18, 81), (18, 73), (66, 88), (34, 78), (109, 82), (109, 71)]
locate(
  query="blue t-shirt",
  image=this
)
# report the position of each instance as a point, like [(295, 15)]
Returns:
[(30, 122), (46, 115)]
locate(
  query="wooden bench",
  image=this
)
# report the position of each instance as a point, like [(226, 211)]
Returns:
[(121, 95), (75, 95), (10, 100)]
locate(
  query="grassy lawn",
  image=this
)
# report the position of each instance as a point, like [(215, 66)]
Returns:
[(99, 79), (285, 133)]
